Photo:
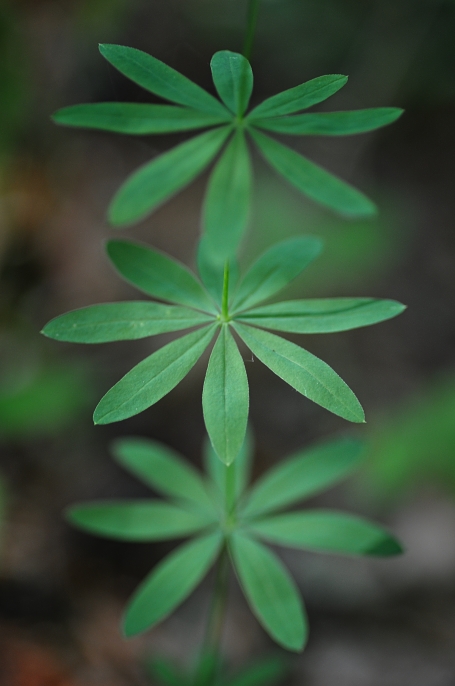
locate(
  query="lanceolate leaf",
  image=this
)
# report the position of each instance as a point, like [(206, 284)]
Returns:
[(275, 269), (303, 371), (170, 583), (152, 378), (332, 123), (136, 118), (225, 398), (212, 271), (233, 79), (158, 275), (121, 322), (326, 531), (303, 475), (270, 591), (137, 520), (322, 315), (158, 180), (161, 468), (160, 79), (218, 472), (312, 180), (228, 199), (299, 98)]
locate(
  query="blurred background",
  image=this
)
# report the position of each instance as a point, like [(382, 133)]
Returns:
[(373, 623)]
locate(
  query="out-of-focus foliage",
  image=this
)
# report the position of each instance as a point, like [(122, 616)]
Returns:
[(12, 79), (414, 447)]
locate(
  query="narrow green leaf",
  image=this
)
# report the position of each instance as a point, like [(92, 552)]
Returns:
[(233, 79), (212, 271), (158, 180), (152, 378), (299, 98), (227, 201), (325, 315), (170, 582), (271, 592), (303, 475), (332, 123), (312, 180), (160, 79), (225, 398), (275, 269), (161, 468), (265, 672), (218, 472), (158, 275), (137, 520), (326, 531), (305, 372), (136, 118), (164, 672), (124, 321)]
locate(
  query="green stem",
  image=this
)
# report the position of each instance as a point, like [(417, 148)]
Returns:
[(225, 299), (253, 13), (210, 658)]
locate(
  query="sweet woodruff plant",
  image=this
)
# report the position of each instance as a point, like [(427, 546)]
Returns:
[(229, 520)]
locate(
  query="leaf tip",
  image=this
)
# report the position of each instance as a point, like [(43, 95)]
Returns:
[(388, 546)]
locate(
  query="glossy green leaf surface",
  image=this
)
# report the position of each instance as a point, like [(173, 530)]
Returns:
[(160, 79), (305, 372), (152, 378), (299, 98), (124, 321), (233, 79), (313, 181), (158, 275), (212, 271), (326, 315), (227, 201), (137, 520), (219, 472), (156, 181), (327, 531), (304, 475), (332, 123), (225, 398), (271, 592), (170, 582), (161, 468), (136, 118), (275, 269)]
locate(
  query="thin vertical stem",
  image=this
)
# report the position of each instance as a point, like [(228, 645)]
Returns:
[(253, 13), (225, 299)]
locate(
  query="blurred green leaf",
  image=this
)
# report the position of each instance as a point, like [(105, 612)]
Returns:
[(303, 475), (218, 472), (299, 98), (312, 180), (326, 531), (166, 673), (322, 315), (170, 582), (227, 201), (225, 398), (305, 372), (152, 378), (137, 520), (156, 181), (271, 592), (233, 79), (161, 468), (158, 275), (135, 118), (121, 321), (274, 270), (160, 79), (265, 672), (332, 123), (212, 271)]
